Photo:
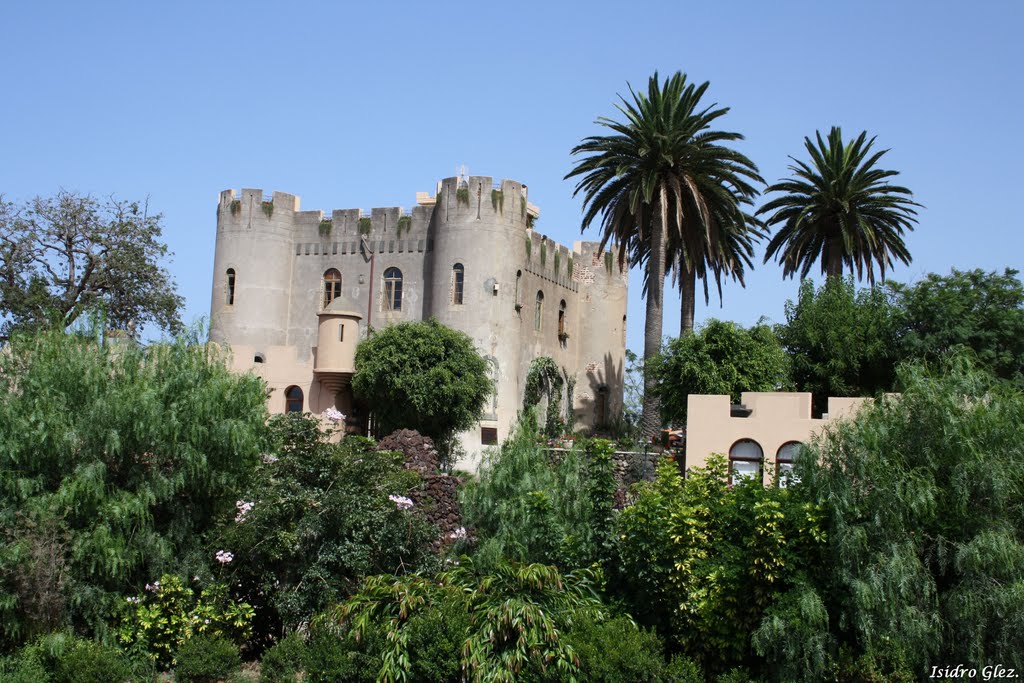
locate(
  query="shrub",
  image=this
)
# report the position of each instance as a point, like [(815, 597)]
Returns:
[(322, 516), (682, 669), (284, 662), (205, 659), (65, 658), (616, 651), (170, 613), (436, 637), (332, 657), (113, 464)]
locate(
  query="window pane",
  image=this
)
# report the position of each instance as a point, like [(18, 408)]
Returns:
[(742, 469)]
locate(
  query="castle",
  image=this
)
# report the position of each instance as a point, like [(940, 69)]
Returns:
[(294, 291)]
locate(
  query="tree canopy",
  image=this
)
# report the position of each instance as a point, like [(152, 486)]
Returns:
[(422, 376), (841, 342), (64, 255), (114, 460), (839, 209), (721, 358)]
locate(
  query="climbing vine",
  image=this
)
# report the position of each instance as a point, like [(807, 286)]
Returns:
[(570, 415), (544, 379), (568, 266), (558, 257), (364, 226), (608, 262), (325, 227), (543, 254), (462, 195), (531, 222), (529, 248), (236, 207), (498, 201), (268, 208)]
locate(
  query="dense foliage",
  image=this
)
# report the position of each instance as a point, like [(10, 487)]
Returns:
[(114, 460), (530, 507), (721, 358), (66, 255), (316, 518), (980, 311), (925, 562), (841, 342), (702, 560), (422, 376), (515, 614)]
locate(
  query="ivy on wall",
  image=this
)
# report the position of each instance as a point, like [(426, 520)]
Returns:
[(462, 195), (365, 225), (404, 225), (236, 207), (498, 201), (568, 266), (558, 257), (325, 227), (543, 254), (529, 248), (544, 380), (268, 208)]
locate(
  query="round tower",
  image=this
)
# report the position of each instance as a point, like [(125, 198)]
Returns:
[(252, 268), (478, 229)]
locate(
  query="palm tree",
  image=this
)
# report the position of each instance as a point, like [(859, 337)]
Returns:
[(667, 193), (839, 209)]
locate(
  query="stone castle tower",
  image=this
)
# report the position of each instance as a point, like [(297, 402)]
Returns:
[(294, 291)]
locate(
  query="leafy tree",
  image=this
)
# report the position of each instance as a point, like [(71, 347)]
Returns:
[(526, 508), (925, 562), (974, 309), (667, 192), (315, 519), (722, 358), (841, 342), (702, 560), (114, 461), (65, 255), (839, 209), (422, 376)]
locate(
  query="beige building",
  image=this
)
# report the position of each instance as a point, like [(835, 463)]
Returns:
[(294, 291), (762, 435)]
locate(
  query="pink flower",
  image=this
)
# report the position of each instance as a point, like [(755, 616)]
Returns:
[(401, 502), (224, 557), (334, 415)]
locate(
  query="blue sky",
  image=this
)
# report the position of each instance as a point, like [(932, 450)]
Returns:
[(364, 106)]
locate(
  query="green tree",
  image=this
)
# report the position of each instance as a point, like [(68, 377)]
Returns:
[(925, 558), (66, 255), (840, 209), (973, 309), (114, 461), (841, 342), (722, 358), (526, 507), (422, 376), (667, 192), (315, 519), (702, 561)]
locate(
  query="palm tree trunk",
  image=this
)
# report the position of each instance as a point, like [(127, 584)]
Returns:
[(834, 266), (688, 289), (650, 421)]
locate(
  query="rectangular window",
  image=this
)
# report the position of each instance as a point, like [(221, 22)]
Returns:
[(341, 332), (488, 436)]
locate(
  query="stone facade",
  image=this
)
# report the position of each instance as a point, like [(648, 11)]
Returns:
[(522, 295)]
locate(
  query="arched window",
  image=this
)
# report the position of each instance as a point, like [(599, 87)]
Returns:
[(785, 459), (392, 289), (259, 358), (231, 286), (561, 320), (293, 400), (332, 286), (539, 311), (458, 280), (745, 458)]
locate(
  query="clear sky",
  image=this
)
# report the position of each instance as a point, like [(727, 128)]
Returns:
[(364, 104)]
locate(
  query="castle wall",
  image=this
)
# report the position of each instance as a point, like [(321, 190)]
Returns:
[(280, 255)]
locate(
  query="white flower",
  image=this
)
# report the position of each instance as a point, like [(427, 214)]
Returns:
[(224, 557), (334, 415), (243, 509), (269, 459), (459, 534), (401, 502), (134, 601)]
